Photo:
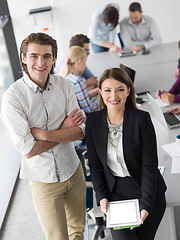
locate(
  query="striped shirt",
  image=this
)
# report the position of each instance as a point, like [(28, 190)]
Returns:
[(82, 95)]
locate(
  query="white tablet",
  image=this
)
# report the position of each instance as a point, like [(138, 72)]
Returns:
[(123, 214)]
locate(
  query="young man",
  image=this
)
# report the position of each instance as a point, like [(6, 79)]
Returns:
[(81, 41), (102, 30), (139, 31), (41, 113)]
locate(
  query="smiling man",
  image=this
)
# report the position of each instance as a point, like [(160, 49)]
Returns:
[(41, 112), (139, 31)]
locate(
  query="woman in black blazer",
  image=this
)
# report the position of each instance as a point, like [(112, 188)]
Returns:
[(122, 155)]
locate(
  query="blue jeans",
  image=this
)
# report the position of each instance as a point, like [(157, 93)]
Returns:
[(97, 48)]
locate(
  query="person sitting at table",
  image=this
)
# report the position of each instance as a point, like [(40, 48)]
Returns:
[(174, 110), (102, 30), (176, 72), (81, 41), (139, 31), (122, 155), (72, 69), (173, 95)]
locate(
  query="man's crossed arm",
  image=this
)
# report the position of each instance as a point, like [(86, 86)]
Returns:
[(69, 131)]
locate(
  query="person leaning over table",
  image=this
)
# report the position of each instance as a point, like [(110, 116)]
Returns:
[(102, 30), (122, 155), (41, 112), (139, 31), (173, 95)]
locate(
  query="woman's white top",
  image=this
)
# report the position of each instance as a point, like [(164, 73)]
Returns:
[(115, 157)]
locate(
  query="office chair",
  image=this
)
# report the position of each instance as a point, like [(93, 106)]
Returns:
[(99, 220), (93, 210), (120, 40)]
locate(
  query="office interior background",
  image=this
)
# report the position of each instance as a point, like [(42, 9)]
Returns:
[(65, 19), (69, 17)]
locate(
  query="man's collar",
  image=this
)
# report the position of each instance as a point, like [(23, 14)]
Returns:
[(143, 21), (35, 88)]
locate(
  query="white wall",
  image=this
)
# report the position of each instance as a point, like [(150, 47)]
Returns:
[(70, 17)]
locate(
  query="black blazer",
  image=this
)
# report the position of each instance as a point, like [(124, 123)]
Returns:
[(140, 154)]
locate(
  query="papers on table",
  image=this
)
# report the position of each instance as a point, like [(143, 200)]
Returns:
[(161, 103), (123, 214), (175, 167), (174, 151)]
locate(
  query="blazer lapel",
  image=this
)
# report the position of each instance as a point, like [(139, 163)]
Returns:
[(102, 135)]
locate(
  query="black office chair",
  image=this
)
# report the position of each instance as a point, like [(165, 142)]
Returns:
[(93, 211), (100, 225), (120, 40)]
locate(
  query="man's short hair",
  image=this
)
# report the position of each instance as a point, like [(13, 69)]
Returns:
[(79, 40), (179, 44), (39, 38), (135, 6), (111, 15)]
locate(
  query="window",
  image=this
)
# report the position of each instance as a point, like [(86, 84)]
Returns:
[(9, 158), (6, 75)]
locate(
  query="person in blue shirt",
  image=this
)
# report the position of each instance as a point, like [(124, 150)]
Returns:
[(81, 41), (102, 30)]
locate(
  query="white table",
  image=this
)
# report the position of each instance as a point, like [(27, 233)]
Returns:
[(166, 53)]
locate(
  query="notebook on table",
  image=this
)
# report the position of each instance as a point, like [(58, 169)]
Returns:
[(169, 120)]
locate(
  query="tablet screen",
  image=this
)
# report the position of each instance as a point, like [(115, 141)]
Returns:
[(123, 213)]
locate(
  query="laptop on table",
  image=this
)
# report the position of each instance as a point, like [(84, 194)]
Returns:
[(131, 72), (169, 120), (126, 52)]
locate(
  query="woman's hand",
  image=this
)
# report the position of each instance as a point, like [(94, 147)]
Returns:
[(175, 110), (167, 97), (143, 216), (159, 93), (104, 205)]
